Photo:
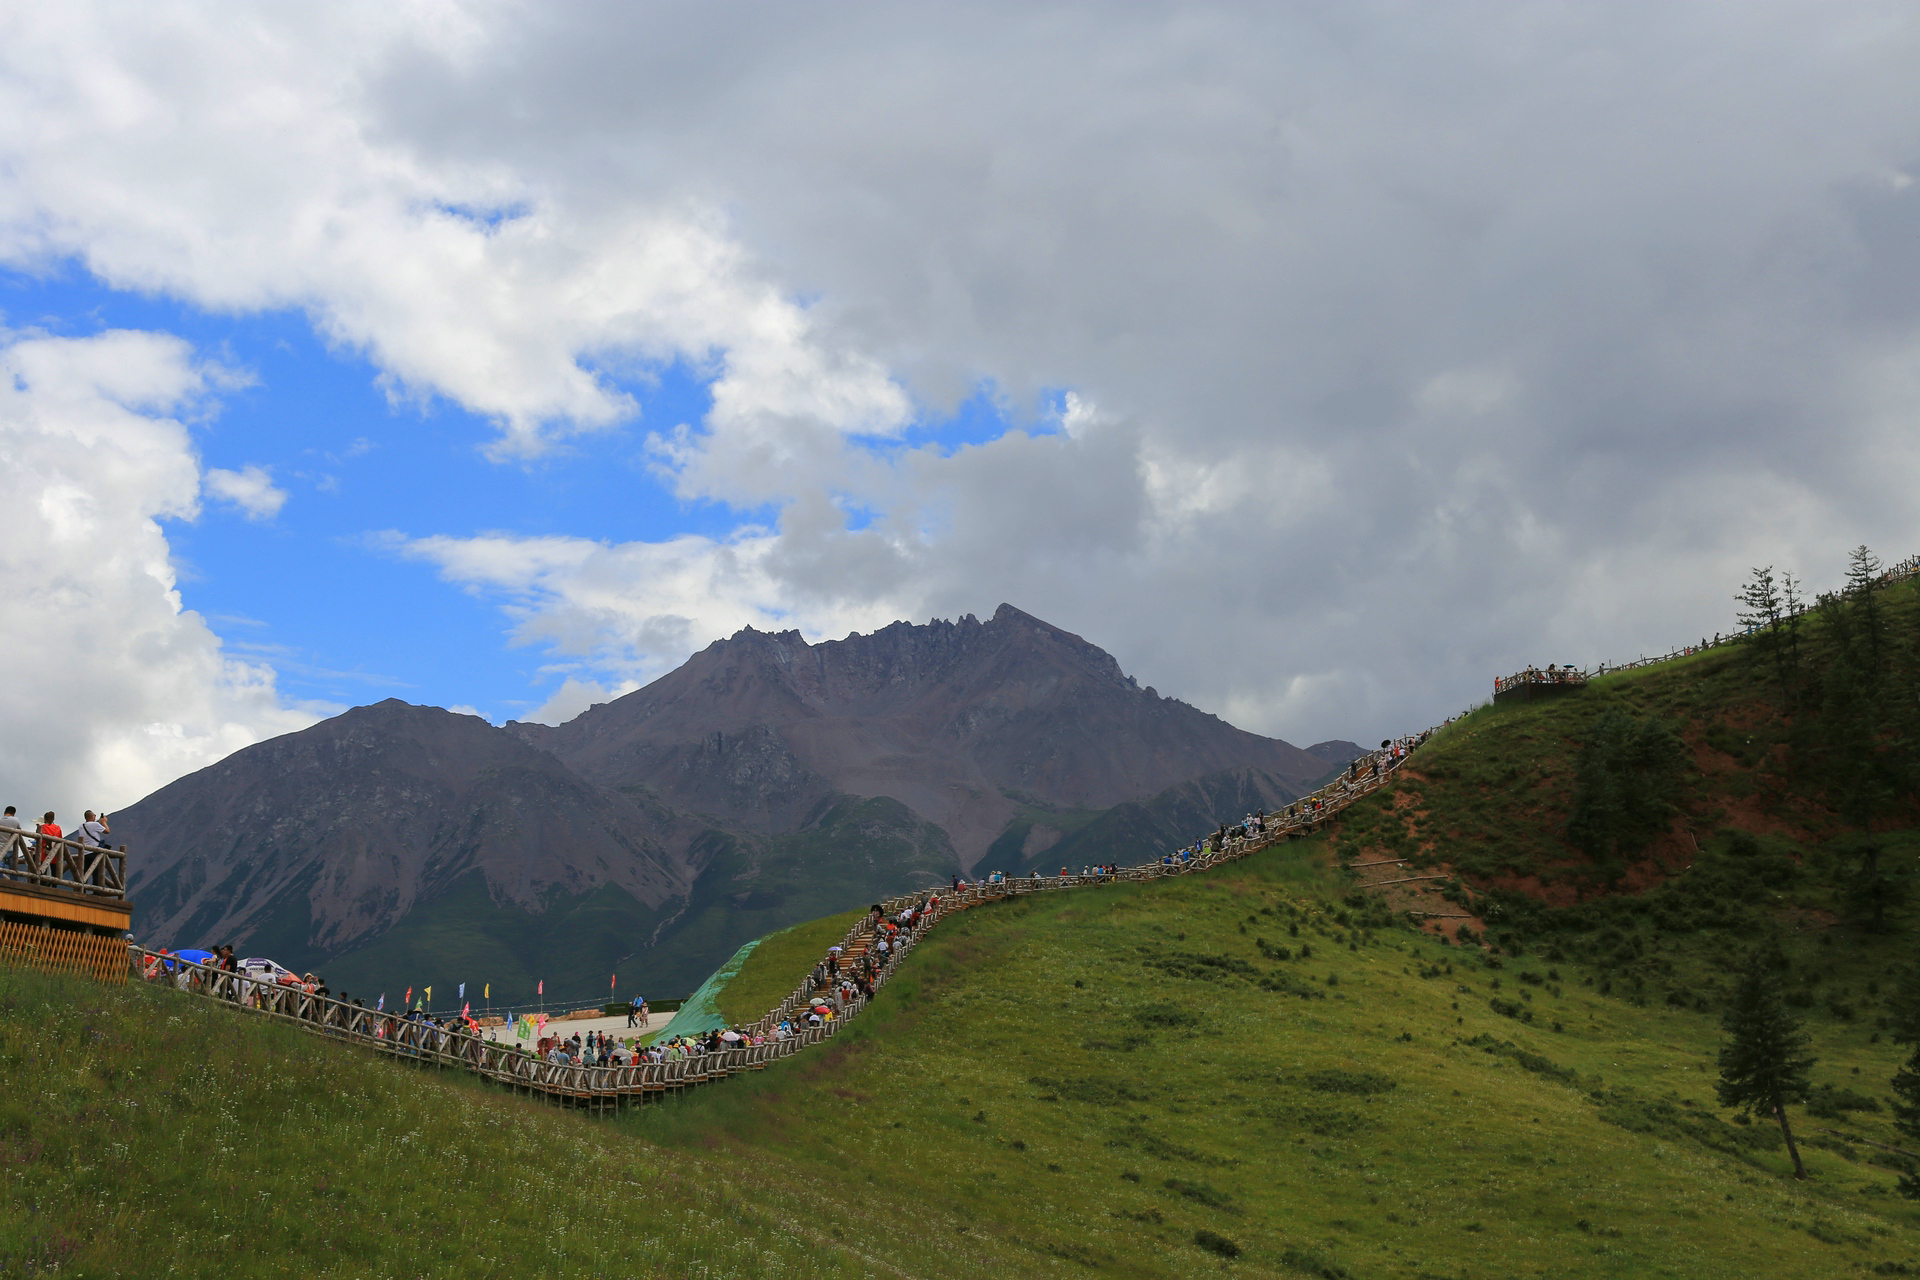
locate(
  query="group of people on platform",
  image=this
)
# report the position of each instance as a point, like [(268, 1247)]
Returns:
[(23, 849)]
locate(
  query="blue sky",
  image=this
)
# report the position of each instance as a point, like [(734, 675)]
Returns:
[(316, 591), (341, 619)]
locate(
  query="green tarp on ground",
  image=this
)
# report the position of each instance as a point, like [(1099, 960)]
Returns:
[(701, 1012)]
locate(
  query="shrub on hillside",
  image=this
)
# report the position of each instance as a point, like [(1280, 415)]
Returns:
[(1624, 787), (1213, 1242), (1165, 1014)]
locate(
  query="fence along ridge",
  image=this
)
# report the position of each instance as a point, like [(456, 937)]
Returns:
[(598, 1088), (1908, 568)]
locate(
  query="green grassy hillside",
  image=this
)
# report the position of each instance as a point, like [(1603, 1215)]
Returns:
[(1133, 1080), (1764, 837), (147, 1133), (1260, 1070), (778, 964), (1136, 1080)]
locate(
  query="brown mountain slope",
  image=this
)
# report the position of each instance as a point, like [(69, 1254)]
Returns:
[(964, 722), (335, 833)]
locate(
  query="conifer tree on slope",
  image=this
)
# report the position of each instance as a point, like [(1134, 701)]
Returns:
[(1764, 1063), (1763, 613)]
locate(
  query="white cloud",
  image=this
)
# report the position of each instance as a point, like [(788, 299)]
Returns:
[(245, 164), (1422, 340), (251, 489), (112, 688), (622, 614)]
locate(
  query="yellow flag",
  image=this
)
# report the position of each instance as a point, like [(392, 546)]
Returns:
[(486, 992), (429, 995)]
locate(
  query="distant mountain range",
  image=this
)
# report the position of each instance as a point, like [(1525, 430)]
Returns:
[(763, 782)]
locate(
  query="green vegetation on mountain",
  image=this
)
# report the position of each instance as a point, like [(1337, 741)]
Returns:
[(748, 887)]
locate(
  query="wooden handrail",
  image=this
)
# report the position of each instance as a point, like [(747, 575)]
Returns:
[(61, 862)]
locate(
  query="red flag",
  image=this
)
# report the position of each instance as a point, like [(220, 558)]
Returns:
[(464, 1008), (543, 987), (408, 999), (613, 982)]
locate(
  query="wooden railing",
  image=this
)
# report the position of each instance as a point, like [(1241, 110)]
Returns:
[(1556, 676), (419, 1041), (59, 862)]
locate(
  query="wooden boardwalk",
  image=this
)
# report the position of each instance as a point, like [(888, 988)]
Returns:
[(600, 1088)]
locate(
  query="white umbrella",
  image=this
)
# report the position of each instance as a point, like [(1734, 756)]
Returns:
[(833, 948)]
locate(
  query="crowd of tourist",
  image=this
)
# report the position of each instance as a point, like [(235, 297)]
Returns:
[(838, 985)]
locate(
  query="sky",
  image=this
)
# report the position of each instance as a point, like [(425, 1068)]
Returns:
[(1320, 361)]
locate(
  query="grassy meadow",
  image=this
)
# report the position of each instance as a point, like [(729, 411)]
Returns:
[(147, 1133), (1247, 1072), (1133, 1081), (777, 965)]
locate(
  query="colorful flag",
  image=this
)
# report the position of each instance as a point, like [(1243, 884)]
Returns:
[(612, 982), (464, 1008), (463, 991), (429, 995), (408, 998), (524, 1028), (543, 987), (486, 992), (380, 1006)]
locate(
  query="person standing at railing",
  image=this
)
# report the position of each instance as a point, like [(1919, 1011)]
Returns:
[(44, 855), (13, 845), (92, 832)]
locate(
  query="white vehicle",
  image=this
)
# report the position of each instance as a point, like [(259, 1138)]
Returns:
[(261, 969)]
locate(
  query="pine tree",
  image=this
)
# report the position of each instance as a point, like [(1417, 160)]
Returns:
[(1762, 612), (1863, 591), (1794, 604), (1869, 891), (1764, 1063)]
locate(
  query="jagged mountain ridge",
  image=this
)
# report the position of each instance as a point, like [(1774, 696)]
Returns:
[(964, 722), (765, 781)]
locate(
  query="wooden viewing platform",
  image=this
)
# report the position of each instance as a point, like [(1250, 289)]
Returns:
[(1533, 684), (63, 906)]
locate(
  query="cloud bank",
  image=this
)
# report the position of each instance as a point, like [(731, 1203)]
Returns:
[(113, 689), (1408, 344)]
